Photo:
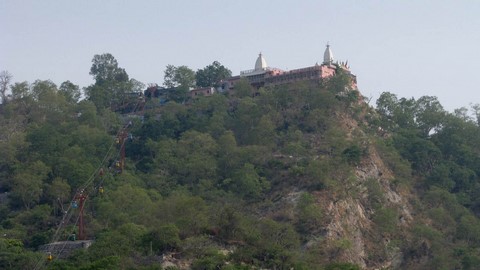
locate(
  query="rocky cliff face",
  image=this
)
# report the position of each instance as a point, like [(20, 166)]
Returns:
[(365, 215), (352, 218)]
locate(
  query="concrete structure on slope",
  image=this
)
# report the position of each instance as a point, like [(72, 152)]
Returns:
[(63, 249)]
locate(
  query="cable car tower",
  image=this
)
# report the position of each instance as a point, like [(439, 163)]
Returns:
[(81, 197)]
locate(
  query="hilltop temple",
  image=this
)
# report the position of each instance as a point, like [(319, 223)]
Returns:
[(263, 75)]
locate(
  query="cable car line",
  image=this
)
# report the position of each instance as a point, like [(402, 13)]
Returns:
[(67, 214)]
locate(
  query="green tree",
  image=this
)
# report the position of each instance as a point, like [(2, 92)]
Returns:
[(196, 157), (386, 219), (275, 247), (429, 114), (422, 153), (71, 91), (245, 118), (264, 132), (117, 242), (136, 86), (40, 89), (105, 69), (22, 100), (50, 105), (228, 156), (462, 113), (476, 112), (181, 76), (111, 81), (243, 88), (230, 223), (309, 215), (247, 183), (179, 79), (212, 74), (162, 239), (128, 203), (396, 113), (188, 213), (211, 261), (28, 184), (58, 192), (352, 154), (20, 90), (14, 256), (469, 229)]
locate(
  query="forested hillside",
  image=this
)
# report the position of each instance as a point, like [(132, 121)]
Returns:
[(298, 176)]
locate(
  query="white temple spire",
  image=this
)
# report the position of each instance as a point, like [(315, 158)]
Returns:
[(328, 56), (261, 63)]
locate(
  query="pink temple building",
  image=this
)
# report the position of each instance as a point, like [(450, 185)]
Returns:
[(262, 75)]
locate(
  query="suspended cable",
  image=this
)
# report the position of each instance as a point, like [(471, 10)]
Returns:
[(69, 212)]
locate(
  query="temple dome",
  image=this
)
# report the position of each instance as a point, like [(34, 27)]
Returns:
[(260, 64), (328, 56)]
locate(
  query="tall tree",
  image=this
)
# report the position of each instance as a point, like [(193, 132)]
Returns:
[(50, 104), (71, 91), (27, 184), (20, 90), (58, 192), (40, 89), (105, 69), (212, 74), (21, 99), (180, 79), (476, 112), (243, 88), (5, 78), (181, 76), (111, 81), (136, 86), (429, 114)]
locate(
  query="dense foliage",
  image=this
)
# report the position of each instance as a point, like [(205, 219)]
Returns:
[(205, 181), (443, 150)]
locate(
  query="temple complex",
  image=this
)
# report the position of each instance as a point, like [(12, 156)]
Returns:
[(263, 75)]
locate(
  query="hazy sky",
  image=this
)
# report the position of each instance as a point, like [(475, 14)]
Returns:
[(411, 48)]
